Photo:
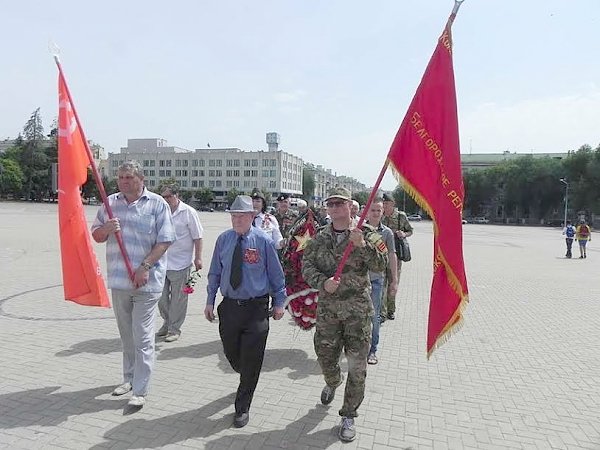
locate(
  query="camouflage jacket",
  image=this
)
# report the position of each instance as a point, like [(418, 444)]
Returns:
[(397, 221), (286, 220), (323, 254)]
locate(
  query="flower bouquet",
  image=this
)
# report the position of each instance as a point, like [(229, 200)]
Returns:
[(188, 287), (301, 299)]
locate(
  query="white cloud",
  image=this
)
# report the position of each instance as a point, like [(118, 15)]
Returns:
[(289, 97)]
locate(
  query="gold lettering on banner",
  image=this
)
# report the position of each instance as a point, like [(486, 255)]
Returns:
[(428, 140), (446, 40)]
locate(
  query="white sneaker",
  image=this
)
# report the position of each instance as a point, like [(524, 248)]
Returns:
[(137, 400), (171, 337), (122, 390)]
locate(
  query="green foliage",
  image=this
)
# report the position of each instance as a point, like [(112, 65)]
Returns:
[(185, 195), (204, 196), (361, 197), (231, 195), (11, 177), (308, 184)]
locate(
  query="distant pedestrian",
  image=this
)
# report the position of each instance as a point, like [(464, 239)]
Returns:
[(265, 221), (246, 269), (583, 234), (285, 215), (569, 233), (145, 222), (183, 255)]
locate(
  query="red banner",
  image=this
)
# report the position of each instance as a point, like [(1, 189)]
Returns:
[(82, 278), (426, 156)]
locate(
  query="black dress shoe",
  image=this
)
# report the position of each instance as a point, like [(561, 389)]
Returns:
[(391, 316), (241, 420)]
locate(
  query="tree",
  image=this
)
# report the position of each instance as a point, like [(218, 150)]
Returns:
[(11, 177), (231, 195), (185, 195), (204, 196), (308, 184), (361, 197)]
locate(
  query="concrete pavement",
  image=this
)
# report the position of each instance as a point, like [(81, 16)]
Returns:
[(522, 373)]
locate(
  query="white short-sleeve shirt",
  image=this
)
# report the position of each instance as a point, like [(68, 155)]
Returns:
[(188, 228)]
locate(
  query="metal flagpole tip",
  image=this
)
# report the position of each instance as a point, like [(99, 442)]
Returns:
[(53, 49), (457, 4)]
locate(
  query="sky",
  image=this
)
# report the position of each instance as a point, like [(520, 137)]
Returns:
[(333, 77)]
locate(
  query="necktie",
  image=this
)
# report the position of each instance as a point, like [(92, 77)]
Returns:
[(235, 279)]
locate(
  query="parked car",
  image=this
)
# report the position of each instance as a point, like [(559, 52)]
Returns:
[(480, 220), (207, 209), (415, 218), (464, 221)]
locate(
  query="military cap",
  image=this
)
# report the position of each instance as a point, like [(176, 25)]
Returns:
[(283, 197), (339, 192), (257, 194), (388, 197)]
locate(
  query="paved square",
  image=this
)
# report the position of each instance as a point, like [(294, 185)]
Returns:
[(524, 371)]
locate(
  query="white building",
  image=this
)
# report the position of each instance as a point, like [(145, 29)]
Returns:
[(220, 169)]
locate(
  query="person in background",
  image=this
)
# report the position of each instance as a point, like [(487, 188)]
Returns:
[(285, 215), (569, 233), (183, 255), (246, 269), (378, 278), (583, 234), (144, 221), (398, 222), (265, 221)]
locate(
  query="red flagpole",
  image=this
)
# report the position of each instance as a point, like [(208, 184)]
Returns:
[(95, 172)]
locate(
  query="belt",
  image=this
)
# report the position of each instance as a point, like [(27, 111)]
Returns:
[(245, 301)]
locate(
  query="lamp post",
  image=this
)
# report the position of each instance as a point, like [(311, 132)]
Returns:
[(564, 181)]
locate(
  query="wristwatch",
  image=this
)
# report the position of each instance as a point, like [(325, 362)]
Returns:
[(146, 265)]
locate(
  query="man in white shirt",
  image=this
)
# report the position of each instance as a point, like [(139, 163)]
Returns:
[(265, 221), (184, 253)]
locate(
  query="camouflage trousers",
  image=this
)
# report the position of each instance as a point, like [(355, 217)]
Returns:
[(350, 331), (388, 302)]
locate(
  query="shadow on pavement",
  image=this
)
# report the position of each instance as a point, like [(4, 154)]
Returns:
[(275, 359), (94, 346), (44, 407), (294, 435), (142, 433)]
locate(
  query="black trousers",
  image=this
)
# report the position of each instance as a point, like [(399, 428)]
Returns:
[(244, 327)]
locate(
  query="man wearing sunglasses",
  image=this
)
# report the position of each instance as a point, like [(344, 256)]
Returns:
[(345, 306)]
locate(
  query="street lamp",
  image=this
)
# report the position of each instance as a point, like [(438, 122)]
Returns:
[(564, 181)]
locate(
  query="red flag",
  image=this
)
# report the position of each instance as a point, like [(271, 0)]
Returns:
[(82, 278), (426, 156)]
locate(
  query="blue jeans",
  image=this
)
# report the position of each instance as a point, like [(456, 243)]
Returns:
[(376, 293)]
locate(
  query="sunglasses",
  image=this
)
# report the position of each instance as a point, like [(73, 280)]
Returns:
[(333, 204)]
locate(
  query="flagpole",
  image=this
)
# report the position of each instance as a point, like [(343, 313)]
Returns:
[(95, 172)]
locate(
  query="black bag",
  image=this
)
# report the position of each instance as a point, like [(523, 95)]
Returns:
[(403, 249)]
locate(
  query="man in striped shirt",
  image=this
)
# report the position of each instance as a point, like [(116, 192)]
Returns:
[(145, 224)]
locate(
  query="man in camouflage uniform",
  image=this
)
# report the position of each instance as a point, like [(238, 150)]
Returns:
[(345, 307), (399, 224), (284, 215)]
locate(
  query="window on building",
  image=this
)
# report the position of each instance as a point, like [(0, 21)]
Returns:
[(272, 173), (200, 183), (161, 163), (273, 163), (184, 172), (265, 162), (177, 163), (201, 163), (218, 183), (178, 173), (211, 183), (195, 183), (152, 162), (152, 182), (219, 173), (183, 183), (265, 173), (194, 163), (229, 173), (146, 163), (194, 172), (169, 162), (236, 163), (161, 173), (272, 184), (219, 163), (145, 172), (254, 173), (255, 163), (211, 173), (115, 163), (236, 183), (202, 173), (168, 172), (236, 173), (152, 172), (229, 183), (184, 163), (229, 163), (246, 173), (246, 163)]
